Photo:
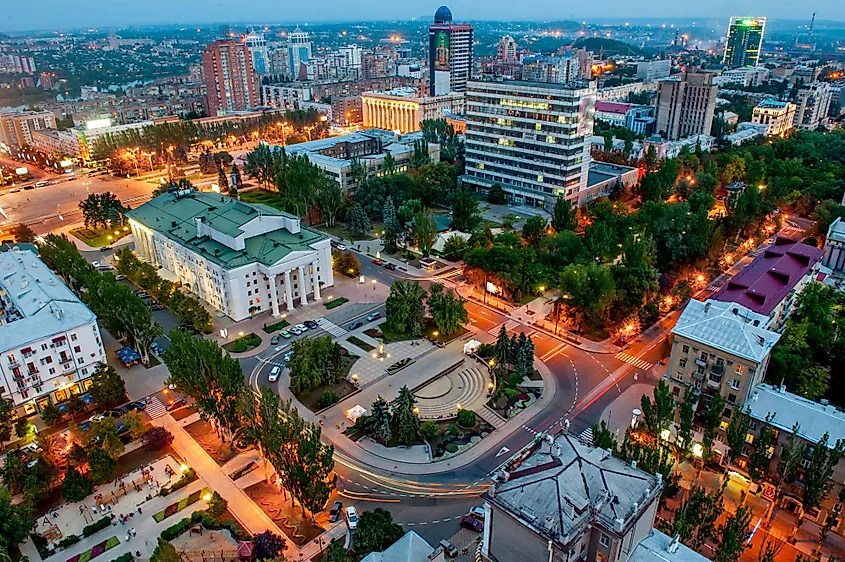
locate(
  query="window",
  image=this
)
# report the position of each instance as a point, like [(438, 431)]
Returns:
[(749, 438), (43, 347), (732, 398), (734, 384), (604, 540), (724, 425), (682, 363), (740, 369), (676, 391), (52, 370), (77, 349), (704, 356), (685, 349), (73, 337)]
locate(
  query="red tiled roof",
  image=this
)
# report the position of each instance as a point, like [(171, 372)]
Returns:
[(613, 107), (771, 276)]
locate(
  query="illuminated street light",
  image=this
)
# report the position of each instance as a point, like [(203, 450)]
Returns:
[(697, 450)]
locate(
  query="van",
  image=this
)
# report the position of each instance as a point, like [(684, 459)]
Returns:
[(42, 184), (274, 374), (450, 549)]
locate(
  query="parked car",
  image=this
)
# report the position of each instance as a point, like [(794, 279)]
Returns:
[(311, 324), (302, 328), (137, 406), (105, 248), (355, 325), (390, 267), (274, 340), (285, 334), (450, 549), (288, 355), (378, 262), (32, 449), (119, 277), (373, 316), (351, 517), (336, 510), (175, 403), (156, 307), (295, 330), (470, 522), (274, 374), (338, 246), (95, 263), (85, 425), (477, 512)]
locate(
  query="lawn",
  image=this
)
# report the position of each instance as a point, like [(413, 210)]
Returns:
[(281, 324), (244, 343), (99, 237), (334, 303), (346, 236), (356, 341), (269, 198), (340, 389), (429, 328)]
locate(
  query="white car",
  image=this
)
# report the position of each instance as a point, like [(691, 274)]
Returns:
[(295, 330), (32, 448), (95, 263), (302, 328), (274, 374), (351, 515), (477, 512), (288, 355)]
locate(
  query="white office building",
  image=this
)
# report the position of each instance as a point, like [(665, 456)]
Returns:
[(240, 258), (50, 342)]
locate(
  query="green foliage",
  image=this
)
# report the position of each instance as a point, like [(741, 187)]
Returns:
[(429, 430), (448, 312), (357, 222), (424, 231), (467, 418), (712, 421), (760, 461), (564, 215), (603, 437), (98, 525), (108, 388), (102, 210), (75, 486), (157, 438), (326, 399), (379, 420), (164, 551), (496, 195), (823, 460), (315, 361), (135, 424), (51, 415), (404, 307), (465, 213), (392, 227), (102, 465), (376, 531), (346, 263), (695, 519), (591, 290), (733, 535), (16, 521), (217, 506)]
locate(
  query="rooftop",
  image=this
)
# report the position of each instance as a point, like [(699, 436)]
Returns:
[(836, 231), (613, 107), (772, 104), (410, 548), (762, 285), (729, 327), (659, 546), (400, 92), (563, 484), (174, 215), (34, 303), (814, 419)]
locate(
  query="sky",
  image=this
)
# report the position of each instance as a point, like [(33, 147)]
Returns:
[(19, 15)]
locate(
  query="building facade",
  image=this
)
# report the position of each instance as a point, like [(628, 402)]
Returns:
[(241, 259), (299, 51), (450, 54), (50, 342), (402, 109), (58, 143), (230, 79), (744, 42), (653, 70), (257, 45), (685, 105), (531, 138), (777, 116), (16, 127), (812, 105)]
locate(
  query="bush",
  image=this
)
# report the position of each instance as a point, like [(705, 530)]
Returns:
[(486, 350), (429, 430), (51, 415), (96, 526), (326, 399), (216, 506), (157, 438), (69, 540), (453, 429), (466, 418), (40, 545), (511, 394), (76, 486), (175, 530), (124, 558), (451, 448)]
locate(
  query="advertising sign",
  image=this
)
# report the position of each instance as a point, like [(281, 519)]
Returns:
[(441, 50)]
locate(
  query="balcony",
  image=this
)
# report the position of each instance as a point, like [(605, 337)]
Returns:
[(14, 363), (68, 365), (718, 369), (713, 384), (701, 362)]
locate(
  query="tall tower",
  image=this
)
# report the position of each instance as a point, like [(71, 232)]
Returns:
[(230, 80), (257, 45), (745, 41), (450, 54), (685, 105), (299, 50)]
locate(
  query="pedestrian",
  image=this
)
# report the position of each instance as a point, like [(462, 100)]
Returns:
[(635, 376), (94, 509), (134, 532), (139, 511), (128, 536)]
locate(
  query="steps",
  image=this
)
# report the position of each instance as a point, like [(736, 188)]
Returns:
[(491, 417), (469, 388)]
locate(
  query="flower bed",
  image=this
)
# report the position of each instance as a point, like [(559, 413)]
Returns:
[(399, 365), (356, 341), (244, 470), (187, 477), (175, 508), (335, 303), (97, 550), (275, 327)]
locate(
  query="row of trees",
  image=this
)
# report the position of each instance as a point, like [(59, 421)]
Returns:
[(405, 308), (398, 419), (203, 371), (101, 210), (108, 389)]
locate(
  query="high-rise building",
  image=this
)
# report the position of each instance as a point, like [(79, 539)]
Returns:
[(777, 116), (257, 45), (231, 82), (652, 70), (506, 49), (685, 105), (744, 42), (450, 54), (812, 105), (531, 138), (558, 70), (16, 128), (299, 51)]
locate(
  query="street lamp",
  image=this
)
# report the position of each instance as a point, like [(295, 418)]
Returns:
[(374, 284)]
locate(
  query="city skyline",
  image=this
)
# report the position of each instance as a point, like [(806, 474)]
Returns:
[(99, 13)]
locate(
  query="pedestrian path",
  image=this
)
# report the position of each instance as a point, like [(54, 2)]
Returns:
[(509, 325), (636, 362), (155, 409), (491, 417), (331, 328)]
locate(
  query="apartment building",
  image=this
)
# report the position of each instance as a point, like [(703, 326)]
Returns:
[(778, 116), (16, 127), (237, 257), (58, 143), (812, 105), (685, 105), (561, 500), (230, 79), (50, 342), (449, 54)]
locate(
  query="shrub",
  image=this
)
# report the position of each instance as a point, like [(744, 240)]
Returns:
[(466, 418), (76, 486), (51, 415), (511, 394), (486, 350), (96, 526), (451, 448), (453, 429), (175, 530), (157, 438), (69, 540), (217, 506), (326, 399), (429, 430), (124, 558)]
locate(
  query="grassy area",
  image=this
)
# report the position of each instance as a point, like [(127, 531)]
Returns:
[(334, 303), (429, 328), (340, 389), (341, 232), (269, 198), (280, 325), (356, 341), (99, 237), (244, 343)]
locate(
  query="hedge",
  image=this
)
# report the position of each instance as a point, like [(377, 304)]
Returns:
[(96, 526), (187, 477), (124, 558), (175, 530), (69, 540)]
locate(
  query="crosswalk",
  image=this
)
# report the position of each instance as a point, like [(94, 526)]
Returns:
[(509, 325), (714, 288), (331, 327), (636, 362), (155, 409), (586, 436)]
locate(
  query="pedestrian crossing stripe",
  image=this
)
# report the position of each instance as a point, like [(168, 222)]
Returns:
[(509, 325), (586, 436), (155, 409), (636, 362), (331, 328)]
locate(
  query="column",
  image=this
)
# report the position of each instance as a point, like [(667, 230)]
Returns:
[(315, 281), (302, 298), (274, 294), (288, 293)]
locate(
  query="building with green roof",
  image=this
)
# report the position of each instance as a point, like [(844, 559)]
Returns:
[(240, 258)]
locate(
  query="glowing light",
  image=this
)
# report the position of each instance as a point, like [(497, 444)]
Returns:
[(665, 435), (206, 497), (697, 450), (184, 467), (699, 278)]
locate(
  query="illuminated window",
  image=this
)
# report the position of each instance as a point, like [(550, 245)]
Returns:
[(724, 425), (749, 438), (538, 126), (550, 139), (540, 178)]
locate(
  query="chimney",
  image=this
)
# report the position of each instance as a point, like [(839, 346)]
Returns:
[(673, 546), (707, 307)]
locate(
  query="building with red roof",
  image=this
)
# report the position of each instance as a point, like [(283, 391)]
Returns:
[(769, 284)]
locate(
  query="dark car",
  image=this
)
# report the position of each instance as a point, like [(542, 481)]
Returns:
[(470, 522), (105, 248), (86, 425), (311, 324), (139, 406), (175, 403), (390, 267), (335, 512), (355, 325)]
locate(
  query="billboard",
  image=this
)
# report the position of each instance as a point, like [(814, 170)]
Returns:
[(21, 171), (586, 114), (441, 49), (97, 124)]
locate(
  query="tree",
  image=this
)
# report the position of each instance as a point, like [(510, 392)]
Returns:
[(425, 231), (262, 424), (823, 459), (591, 290), (448, 312), (790, 459), (392, 227), (310, 473), (603, 437), (51, 415), (77, 456), (465, 214), (695, 519), (135, 424), (102, 465), (428, 431), (467, 418), (107, 387), (235, 178), (329, 197), (268, 545), (376, 531), (496, 195), (760, 460), (686, 422), (223, 181), (658, 413), (813, 382), (379, 420), (315, 361), (501, 354), (564, 216), (165, 552), (712, 421), (16, 521), (770, 549), (404, 308), (104, 434), (733, 535), (336, 553), (404, 416), (357, 222), (76, 486), (22, 233), (157, 438), (7, 411), (534, 229), (346, 263), (735, 434), (217, 506)]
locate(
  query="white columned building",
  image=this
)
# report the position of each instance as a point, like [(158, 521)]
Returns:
[(238, 257)]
